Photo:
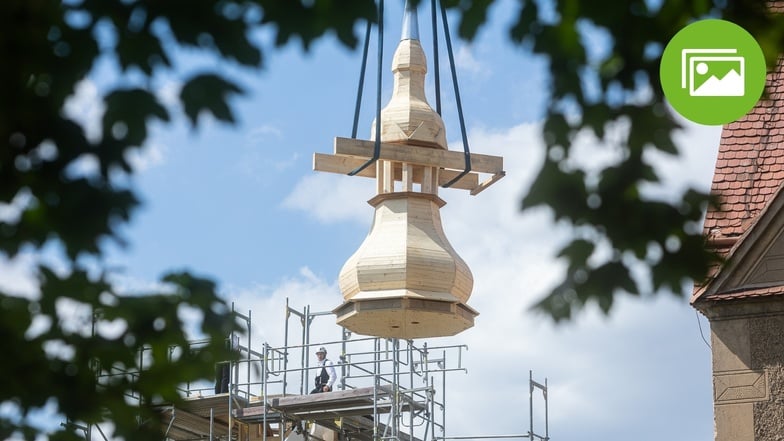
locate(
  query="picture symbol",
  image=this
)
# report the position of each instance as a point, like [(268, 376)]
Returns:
[(713, 72)]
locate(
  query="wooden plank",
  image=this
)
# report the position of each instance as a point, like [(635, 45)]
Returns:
[(250, 412), (379, 166), (493, 179), (408, 177), (177, 434), (364, 424), (336, 396), (188, 422), (341, 165), (419, 155), (345, 164), (427, 180), (388, 185), (219, 403)]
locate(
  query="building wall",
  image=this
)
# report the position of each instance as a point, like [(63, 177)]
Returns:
[(748, 369), (767, 355)]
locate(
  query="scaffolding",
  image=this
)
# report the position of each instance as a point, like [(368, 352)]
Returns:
[(388, 389)]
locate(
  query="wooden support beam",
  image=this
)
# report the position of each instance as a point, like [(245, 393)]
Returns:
[(187, 422), (419, 155), (481, 187), (341, 165), (340, 396), (344, 164), (388, 184), (408, 177), (427, 180)]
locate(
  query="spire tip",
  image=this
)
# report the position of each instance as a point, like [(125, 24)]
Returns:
[(410, 23)]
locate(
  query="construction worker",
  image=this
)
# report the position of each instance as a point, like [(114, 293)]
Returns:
[(326, 375)]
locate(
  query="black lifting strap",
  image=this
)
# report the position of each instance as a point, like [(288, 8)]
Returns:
[(436, 70), (361, 80), (377, 144), (466, 151)]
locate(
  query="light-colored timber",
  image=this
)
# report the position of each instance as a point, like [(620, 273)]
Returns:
[(406, 280), (408, 118), (414, 154), (187, 426), (346, 164)]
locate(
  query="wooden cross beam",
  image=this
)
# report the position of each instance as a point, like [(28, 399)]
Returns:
[(349, 154)]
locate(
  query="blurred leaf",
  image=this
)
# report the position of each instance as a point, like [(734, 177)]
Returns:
[(208, 93), (130, 128), (311, 20), (51, 49)]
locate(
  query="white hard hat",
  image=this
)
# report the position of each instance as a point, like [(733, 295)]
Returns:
[(321, 350)]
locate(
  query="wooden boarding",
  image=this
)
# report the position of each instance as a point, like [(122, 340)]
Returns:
[(256, 414), (192, 416), (350, 154), (419, 155), (361, 428), (188, 426), (219, 403), (328, 405), (345, 164)]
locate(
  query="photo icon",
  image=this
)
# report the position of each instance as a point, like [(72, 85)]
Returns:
[(713, 72)]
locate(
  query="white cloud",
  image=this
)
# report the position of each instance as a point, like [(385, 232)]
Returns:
[(87, 107), (147, 157), (465, 60), (256, 165), (17, 276), (304, 289), (332, 198), (125, 284), (87, 164), (698, 145), (260, 153), (12, 212), (261, 133), (614, 377), (169, 93)]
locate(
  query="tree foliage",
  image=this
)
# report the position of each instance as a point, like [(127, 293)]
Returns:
[(78, 348), (48, 47)]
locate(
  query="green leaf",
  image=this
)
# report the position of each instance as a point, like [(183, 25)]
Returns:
[(577, 252), (142, 50), (563, 191), (208, 93), (130, 128), (310, 20), (474, 15)]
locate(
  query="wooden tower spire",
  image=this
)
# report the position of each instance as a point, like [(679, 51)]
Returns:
[(406, 280)]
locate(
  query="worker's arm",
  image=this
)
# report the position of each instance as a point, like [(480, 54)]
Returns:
[(333, 376)]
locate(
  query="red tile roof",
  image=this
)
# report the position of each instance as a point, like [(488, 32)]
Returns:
[(750, 165), (749, 172), (747, 293)]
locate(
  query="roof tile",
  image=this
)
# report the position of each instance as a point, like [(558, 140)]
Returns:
[(748, 293), (749, 171), (750, 163)]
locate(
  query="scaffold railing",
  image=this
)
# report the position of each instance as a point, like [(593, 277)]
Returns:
[(387, 389)]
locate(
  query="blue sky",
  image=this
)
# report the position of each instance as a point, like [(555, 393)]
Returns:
[(242, 205)]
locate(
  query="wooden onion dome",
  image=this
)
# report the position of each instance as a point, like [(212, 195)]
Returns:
[(406, 280)]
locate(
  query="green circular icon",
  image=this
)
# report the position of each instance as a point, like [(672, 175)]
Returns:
[(712, 72)]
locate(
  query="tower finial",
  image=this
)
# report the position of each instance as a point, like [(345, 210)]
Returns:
[(410, 23)]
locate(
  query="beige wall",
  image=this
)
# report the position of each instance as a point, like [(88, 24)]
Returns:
[(748, 369), (767, 354)]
